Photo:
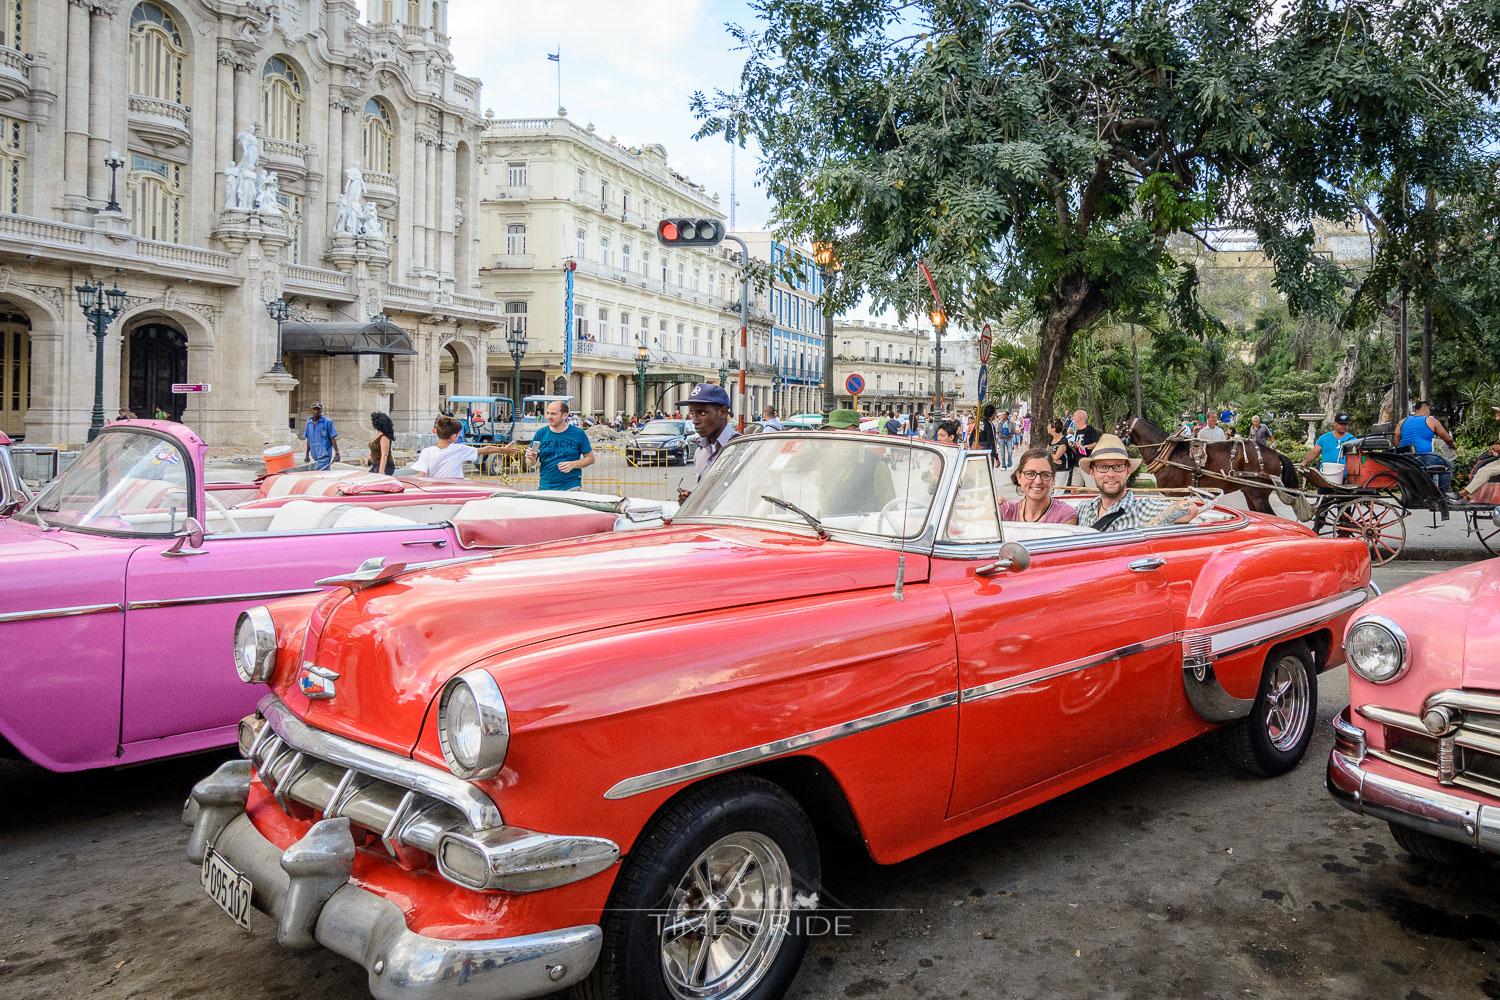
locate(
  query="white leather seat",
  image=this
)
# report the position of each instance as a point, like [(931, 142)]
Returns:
[(354, 516), (299, 515)]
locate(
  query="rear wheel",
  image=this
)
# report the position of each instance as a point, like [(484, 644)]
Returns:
[(1426, 847), (1273, 738), (1380, 524), (707, 906), (1488, 531)]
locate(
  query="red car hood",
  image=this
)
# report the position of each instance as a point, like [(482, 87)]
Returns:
[(396, 644)]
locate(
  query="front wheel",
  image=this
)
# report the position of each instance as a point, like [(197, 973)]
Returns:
[(1273, 738), (1436, 850), (712, 902)]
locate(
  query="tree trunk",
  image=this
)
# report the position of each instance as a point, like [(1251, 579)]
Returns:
[(1074, 305), (1402, 375), (1135, 368), (1427, 350)]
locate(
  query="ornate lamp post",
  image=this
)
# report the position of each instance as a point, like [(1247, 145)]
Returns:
[(723, 375), (279, 311), (515, 342), (828, 267), (640, 379), (776, 381), (114, 162), (939, 320), (101, 307)]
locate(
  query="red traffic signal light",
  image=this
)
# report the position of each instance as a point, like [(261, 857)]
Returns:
[(690, 232)]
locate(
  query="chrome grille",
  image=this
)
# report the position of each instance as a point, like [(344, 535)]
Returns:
[(337, 777), (1465, 756)]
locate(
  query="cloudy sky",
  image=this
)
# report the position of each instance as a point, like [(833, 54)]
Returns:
[(629, 67)]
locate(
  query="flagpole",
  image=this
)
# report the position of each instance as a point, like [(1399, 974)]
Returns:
[(557, 58)]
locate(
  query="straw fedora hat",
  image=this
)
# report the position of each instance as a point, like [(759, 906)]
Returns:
[(1108, 447)]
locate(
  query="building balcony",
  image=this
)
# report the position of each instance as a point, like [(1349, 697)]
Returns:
[(15, 74), (415, 298), (318, 282), (162, 124), (287, 158), (33, 238), (381, 186), (515, 261), (513, 192)]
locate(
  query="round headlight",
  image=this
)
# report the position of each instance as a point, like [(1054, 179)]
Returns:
[(255, 646), (1376, 648), (473, 727)]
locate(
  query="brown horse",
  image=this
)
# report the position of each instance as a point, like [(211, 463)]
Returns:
[(1177, 463)]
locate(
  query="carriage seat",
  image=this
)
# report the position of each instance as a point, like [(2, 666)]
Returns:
[(1371, 442)]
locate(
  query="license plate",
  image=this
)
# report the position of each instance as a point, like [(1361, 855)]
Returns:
[(227, 887)]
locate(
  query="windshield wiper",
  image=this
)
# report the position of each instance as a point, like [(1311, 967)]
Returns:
[(785, 505)]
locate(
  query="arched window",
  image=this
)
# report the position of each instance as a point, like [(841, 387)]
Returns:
[(380, 137), (281, 100), (155, 198), (156, 54), (413, 12)]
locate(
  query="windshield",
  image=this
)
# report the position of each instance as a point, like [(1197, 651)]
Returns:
[(126, 482), (854, 483), (666, 428)]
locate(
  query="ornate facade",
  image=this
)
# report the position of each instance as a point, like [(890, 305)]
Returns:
[(896, 363), (125, 155)]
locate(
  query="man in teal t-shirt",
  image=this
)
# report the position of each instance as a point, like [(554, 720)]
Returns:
[(563, 450), (1330, 446)]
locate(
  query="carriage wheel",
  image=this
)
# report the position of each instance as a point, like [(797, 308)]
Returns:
[(1386, 485), (1489, 533), (1380, 523)]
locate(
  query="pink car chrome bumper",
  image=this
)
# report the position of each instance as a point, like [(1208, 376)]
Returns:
[(1360, 789)]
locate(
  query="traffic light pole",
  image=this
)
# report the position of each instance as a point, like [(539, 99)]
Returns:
[(744, 324)]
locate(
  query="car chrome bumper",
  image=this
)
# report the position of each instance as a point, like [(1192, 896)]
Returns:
[(306, 889), (1441, 814)]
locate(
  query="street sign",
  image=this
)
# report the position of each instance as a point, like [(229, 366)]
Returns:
[(984, 382), (984, 346), (181, 387), (854, 384)]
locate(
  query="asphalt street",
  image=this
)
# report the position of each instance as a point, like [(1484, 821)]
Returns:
[(1176, 877)]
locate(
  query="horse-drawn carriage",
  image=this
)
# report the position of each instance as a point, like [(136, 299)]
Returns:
[(1381, 486)]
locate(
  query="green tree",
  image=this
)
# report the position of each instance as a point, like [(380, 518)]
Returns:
[(1039, 153)]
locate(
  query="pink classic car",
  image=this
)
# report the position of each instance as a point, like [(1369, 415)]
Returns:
[(1419, 744), (123, 578)]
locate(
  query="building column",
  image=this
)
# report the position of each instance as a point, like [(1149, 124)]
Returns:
[(76, 117), (420, 179), (434, 196), (611, 396), (245, 110), (334, 168), (446, 241)]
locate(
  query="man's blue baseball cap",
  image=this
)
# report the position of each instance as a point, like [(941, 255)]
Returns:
[(707, 392)]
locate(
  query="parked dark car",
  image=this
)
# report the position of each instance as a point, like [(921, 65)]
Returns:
[(662, 442)]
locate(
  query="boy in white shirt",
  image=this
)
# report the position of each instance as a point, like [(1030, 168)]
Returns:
[(445, 460)]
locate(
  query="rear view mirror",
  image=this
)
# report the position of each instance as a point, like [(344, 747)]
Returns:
[(187, 540)]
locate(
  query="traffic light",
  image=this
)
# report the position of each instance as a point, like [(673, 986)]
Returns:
[(690, 232)]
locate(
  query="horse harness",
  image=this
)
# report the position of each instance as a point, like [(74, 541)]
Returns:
[(1198, 452)]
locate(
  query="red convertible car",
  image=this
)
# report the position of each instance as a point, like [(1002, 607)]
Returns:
[(619, 758), (1419, 744)]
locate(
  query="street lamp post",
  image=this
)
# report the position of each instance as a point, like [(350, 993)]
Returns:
[(939, 320), (828, 267), (515, 341), (114, 162), (723, 376), (776, 381), (640, 379), (278, 310), (101, 307)]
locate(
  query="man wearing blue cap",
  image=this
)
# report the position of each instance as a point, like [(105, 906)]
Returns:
[(708, 408)]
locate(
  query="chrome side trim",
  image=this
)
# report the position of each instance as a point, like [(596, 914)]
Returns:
[(979, 691), (1208, 697), (478, 810), (83, 609), (265, 595), (1246, 632), (738, 758)]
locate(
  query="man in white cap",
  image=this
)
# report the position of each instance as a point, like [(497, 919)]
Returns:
[(1116, 508)]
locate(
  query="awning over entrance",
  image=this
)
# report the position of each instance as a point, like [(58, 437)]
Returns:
[(378, 337)]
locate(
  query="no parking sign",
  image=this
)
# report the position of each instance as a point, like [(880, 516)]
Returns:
[(854, 385)]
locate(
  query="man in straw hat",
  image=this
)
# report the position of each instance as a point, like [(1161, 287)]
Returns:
[(1116, 508)]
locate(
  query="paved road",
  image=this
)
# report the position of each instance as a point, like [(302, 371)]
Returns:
[(1176, 877)]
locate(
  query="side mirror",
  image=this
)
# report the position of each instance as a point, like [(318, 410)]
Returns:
[(1014, 557), (187, 540)]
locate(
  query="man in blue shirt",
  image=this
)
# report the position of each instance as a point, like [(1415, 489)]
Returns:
[(563, 450), (1418, 431), (322, 439), (1329, 447)]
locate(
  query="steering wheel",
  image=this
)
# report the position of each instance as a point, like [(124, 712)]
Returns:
[(887, 514)]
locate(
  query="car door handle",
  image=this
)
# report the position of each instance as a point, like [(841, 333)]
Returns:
[(1147, 564), (437, 543)]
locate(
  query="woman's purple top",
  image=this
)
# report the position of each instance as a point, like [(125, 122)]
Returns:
[(1058, 513)]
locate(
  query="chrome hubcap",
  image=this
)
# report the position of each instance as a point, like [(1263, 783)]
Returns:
[(1288, 703), (727, 919)]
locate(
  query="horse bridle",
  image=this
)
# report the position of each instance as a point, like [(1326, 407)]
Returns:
[(1163, 448)]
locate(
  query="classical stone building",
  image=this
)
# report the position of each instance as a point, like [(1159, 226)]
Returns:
[(559, 200), (794, 301), (896, 363), (181, 111)]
